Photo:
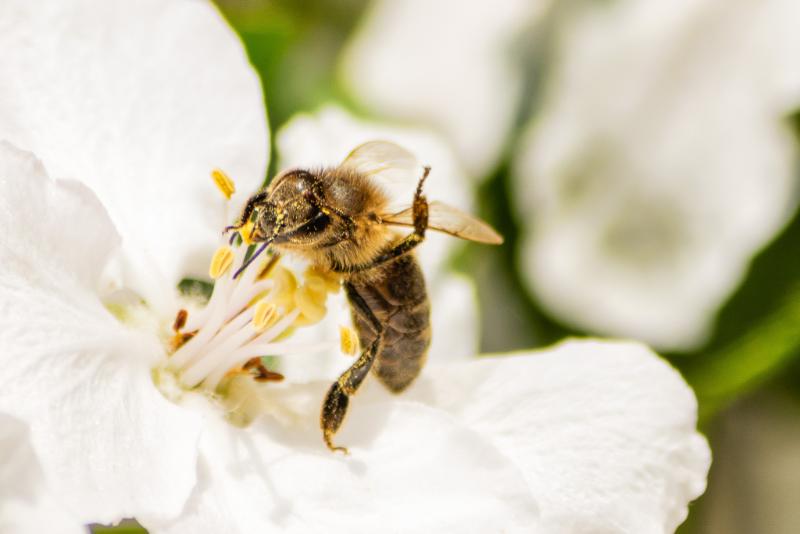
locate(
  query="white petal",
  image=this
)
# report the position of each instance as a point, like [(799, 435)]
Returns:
[(448, 63), (603, 431), (454, 319), (411, 469), (658, 166), (326, 138), (76, 376), (139, 100), (25, 503)]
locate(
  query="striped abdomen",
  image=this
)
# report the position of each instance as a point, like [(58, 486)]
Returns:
[(400, 303)]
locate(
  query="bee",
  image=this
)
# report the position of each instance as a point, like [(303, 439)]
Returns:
[(339, 219)]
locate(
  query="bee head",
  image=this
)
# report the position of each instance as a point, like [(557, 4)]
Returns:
[(294, 211)]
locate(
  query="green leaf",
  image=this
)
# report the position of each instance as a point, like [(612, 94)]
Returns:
[(192, 287)]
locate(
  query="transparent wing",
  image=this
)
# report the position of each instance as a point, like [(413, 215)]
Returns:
[(384, 160), (450, 220)]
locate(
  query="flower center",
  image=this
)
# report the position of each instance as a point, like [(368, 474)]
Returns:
[(249, 318)]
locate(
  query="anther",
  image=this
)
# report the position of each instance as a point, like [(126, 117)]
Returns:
[(268, 267), (348, 340), (311, 304), (223, 183), (265, 375), (260, 372), (264, 315), (221, 262), (180, 320)]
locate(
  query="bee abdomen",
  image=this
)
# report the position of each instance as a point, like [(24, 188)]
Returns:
[(400, 303)]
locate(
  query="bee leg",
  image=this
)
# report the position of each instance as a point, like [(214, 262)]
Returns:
[(251, 205), (334, 408), (420, 206), (420, 214)]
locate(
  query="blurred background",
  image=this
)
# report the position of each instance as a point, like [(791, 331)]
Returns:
[(641, 160)]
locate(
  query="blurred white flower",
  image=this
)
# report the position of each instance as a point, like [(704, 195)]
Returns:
[(558, 441), (660, 162), (449, 64), (26, 507)]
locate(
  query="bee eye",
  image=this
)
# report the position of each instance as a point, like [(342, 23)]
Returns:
[(317, 222)]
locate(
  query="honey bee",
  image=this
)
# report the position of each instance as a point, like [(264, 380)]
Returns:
[(339, 220)]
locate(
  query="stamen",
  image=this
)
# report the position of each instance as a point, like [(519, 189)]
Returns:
[(268, 266), (311, 304), (180, 320), (348, 340), (221, 262), (251, 314), (260, 371), (265, 315), (223, 183)]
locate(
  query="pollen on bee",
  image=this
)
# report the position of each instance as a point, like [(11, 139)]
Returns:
[(220, 262), (246, 231), (348, 340), (223, 183)]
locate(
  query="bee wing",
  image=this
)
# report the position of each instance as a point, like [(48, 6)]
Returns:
[(450, 220), (385, 161)]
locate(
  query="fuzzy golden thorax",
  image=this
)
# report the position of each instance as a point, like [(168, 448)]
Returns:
[(331, 217)]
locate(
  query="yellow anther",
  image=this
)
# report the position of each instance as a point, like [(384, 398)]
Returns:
[(332, 281), (221, 262), (287, 285), (316, 284), (267, 267), (223, 183), (246, 231), (348, 340), (312, 306), (265, 315)]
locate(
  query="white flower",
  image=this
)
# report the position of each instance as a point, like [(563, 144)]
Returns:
[(153, 93), (568, 437), (587, 436), (24, 499), (660, 162), (449, 64)]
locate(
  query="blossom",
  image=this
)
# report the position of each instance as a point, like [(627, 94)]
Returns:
[(119, 389), (475, 431), (451, 65), (657, 165)]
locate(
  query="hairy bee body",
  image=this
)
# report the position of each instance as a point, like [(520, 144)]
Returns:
[(394, 291), (396, 295), (339, 219)]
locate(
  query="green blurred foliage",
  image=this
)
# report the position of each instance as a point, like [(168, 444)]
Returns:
[(294, 45)]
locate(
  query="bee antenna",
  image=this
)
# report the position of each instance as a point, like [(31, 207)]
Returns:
[(252, 258)]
